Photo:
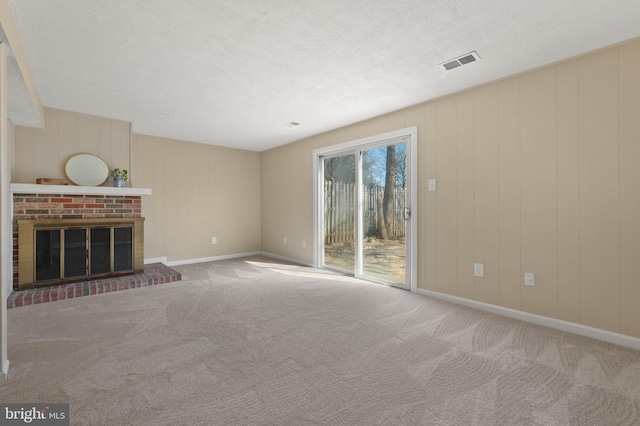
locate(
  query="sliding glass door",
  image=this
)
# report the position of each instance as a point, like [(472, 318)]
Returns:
[(364, 210), (383, 187), (339, 212)]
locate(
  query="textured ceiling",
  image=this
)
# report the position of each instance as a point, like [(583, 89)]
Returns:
[(231, 73)]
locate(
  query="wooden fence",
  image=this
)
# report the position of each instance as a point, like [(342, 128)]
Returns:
[(339, 211)]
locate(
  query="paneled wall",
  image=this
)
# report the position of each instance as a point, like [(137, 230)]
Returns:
[(536, 173), (43, 153), (199, 192)]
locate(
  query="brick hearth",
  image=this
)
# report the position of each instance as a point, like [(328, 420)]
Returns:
[(154, 274)]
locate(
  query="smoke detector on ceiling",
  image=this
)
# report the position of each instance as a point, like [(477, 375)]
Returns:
[(465, 59), (291, 124)]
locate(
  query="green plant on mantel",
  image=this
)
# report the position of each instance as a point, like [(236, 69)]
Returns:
[(119, 174)]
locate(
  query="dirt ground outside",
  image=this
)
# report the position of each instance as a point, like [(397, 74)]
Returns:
[(382, 258)]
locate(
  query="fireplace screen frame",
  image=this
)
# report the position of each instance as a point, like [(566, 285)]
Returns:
[(27, 247)]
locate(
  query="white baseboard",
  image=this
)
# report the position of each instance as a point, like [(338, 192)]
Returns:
[(286, 259), (211, 259), (156, 260), (225, 257), (5, 370), (583, 330)]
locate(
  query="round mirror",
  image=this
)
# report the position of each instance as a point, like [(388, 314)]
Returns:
[(86, 170)]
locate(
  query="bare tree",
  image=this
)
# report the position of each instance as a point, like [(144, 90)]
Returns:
[(340, 169), (382, 227), (385, 222), (401, 164), (330, 169)]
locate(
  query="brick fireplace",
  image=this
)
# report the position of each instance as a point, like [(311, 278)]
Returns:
[(42, 202)]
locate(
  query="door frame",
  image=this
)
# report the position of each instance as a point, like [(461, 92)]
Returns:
[(412, 161)]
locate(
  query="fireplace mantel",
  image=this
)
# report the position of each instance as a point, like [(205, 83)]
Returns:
[(28, 188)]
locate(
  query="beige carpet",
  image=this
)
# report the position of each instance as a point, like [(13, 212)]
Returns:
[(252, 341)]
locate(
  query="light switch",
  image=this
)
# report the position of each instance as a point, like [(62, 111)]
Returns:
[(478, 270), (529, 279), (431, 185)]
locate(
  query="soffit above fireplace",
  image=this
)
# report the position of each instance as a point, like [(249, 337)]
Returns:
[(28, 188)]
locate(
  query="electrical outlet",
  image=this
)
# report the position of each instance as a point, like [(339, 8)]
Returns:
[(478, 270), (529, 279), (214, 240), (431, 185), (303, 244), (284, 240)]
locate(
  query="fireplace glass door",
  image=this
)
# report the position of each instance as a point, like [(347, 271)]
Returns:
[(75, 252), (100, 250), (123, 249), (71, 253), (47, 254), (55, 251)]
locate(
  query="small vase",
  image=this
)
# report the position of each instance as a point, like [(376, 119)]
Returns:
[(119, 183)]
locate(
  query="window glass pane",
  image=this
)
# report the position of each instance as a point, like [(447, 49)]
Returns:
[(383, 224), (339, 210)]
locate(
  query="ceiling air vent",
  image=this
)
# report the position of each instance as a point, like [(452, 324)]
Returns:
[(291, 124), (465, 59)]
